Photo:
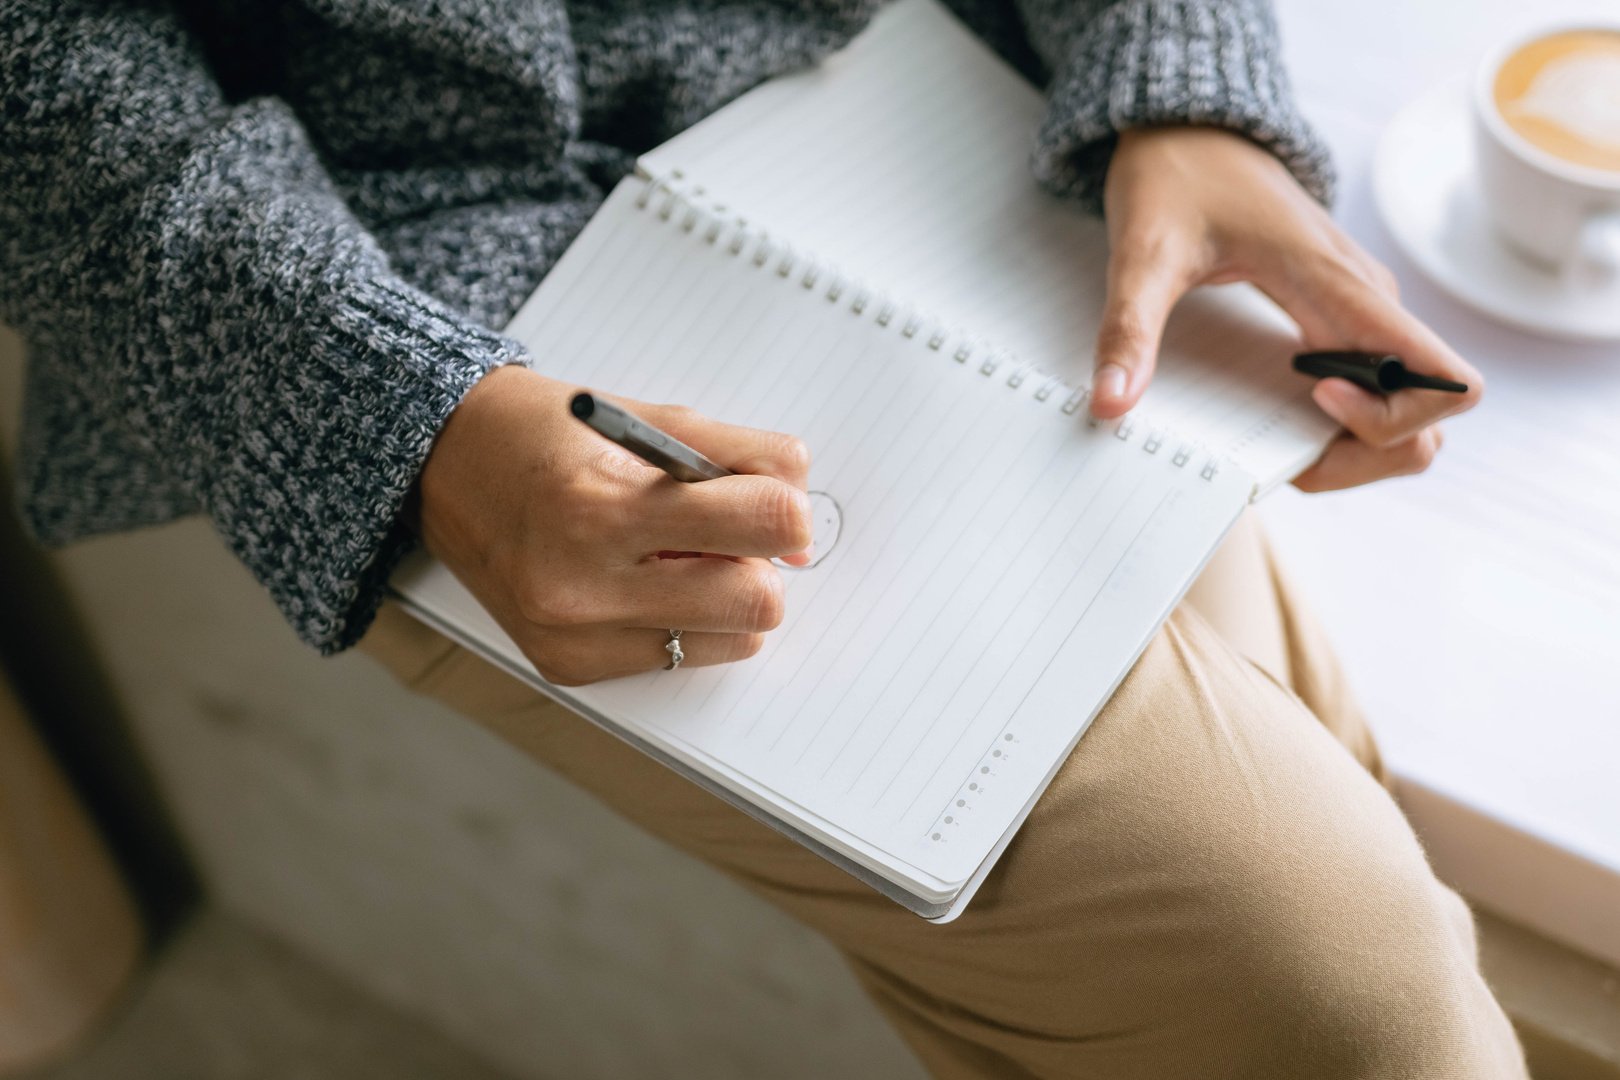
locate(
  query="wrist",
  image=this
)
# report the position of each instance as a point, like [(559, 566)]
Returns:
[(507, 400)]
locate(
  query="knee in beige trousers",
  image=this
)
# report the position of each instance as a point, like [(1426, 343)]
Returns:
[(1215, 885)]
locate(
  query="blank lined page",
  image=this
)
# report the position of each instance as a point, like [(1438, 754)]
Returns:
[(1000, 565), (903, 159)]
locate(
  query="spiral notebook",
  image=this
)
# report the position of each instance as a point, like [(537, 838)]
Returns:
[(857, 254)]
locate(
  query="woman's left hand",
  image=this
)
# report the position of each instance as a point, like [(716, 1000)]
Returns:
[(1191, 206)]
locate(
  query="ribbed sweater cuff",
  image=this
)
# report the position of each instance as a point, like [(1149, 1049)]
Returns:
[(1147, 62), (387, 366)]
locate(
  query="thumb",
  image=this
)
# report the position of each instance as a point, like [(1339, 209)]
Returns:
[(1141, 291)]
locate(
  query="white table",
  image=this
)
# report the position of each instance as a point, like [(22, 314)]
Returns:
[(1477, 608)]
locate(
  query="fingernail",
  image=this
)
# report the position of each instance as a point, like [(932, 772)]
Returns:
[(1109, 382)]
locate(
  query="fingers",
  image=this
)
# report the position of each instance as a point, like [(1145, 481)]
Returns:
[(619, 511), (1146, 277), (740, 449), (725, 595), (1386, 420), (1188, 206), (735, 515), (707, 594), (761, 512), (1380, 421), (590, 655), (1343, 303), (1342, 298), (555, 531), (1350, 461)]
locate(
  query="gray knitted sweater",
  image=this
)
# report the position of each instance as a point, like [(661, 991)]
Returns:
[(256, 247)]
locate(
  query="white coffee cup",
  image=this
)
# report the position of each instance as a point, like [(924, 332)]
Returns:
[(1559, 213)]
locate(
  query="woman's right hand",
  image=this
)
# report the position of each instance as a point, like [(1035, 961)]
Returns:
[(586, 555)]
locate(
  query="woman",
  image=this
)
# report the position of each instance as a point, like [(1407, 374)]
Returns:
[(257, 248)]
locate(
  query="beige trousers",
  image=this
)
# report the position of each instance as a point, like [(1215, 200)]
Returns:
[(1215, 885)]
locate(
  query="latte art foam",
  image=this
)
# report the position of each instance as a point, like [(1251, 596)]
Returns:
[(1580, 94), (1561, 93)]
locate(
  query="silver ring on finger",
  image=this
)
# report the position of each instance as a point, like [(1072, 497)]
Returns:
[(676, 653)]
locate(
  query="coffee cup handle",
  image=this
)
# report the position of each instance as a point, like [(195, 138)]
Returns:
[(1597, 250)]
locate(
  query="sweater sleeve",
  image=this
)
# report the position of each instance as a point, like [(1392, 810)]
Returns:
[(1118, 64), (198, 298)]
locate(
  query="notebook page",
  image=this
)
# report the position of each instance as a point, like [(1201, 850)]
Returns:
[(904, 159), (1000, 565)]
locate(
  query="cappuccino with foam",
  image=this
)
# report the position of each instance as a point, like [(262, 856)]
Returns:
[(1561, 94)]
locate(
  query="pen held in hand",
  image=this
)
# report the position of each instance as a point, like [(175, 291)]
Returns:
[(1379, 373), (665, 451), (645, 441)]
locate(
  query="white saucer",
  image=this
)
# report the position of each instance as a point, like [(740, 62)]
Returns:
[(1423, 181)]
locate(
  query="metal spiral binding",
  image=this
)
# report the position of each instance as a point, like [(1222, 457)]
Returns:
[(811, 273)]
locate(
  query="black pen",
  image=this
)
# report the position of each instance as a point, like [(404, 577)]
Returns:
[(645, 441), (1382, 374)]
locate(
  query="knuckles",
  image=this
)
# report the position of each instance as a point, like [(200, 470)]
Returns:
[(793, 454), (555, 601), (561, 663), (1421, 452), (785, 457), (679, 419), (780, 515), (768, 608), (786, 512), (758, 605), (596, 504)]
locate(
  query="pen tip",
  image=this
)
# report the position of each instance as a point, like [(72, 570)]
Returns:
[(582, 406)]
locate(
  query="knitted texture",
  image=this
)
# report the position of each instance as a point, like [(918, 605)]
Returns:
[(255, 247)]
